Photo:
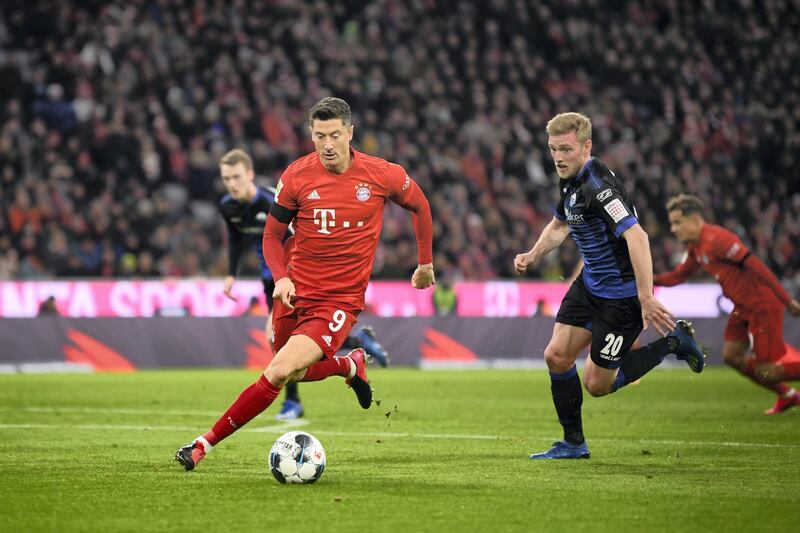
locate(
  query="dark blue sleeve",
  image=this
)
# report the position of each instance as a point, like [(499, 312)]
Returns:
[(605, 201), (234, 243)]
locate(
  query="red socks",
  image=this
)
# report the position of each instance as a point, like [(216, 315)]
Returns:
[(335, 366), (257, 397), (251, 402)]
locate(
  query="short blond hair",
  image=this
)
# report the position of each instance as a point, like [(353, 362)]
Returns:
[(236, 156), (567, 122), (686, 204)]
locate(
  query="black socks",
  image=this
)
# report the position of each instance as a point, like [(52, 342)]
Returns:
[(291, 392), (639, 362), (568, 398)]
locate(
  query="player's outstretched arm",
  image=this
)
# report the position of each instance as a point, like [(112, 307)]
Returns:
[(551, 238), (275, 256), (234, 252), (408, 195), (423, 277), (681, 273), (761, 270), (653, 311)]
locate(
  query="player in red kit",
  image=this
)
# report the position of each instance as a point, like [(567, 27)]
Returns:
[(335, 197), (759, 299)]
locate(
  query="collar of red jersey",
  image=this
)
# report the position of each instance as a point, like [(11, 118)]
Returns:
[(355, 158)]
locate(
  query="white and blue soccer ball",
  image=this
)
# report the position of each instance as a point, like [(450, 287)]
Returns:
[(297, 457)]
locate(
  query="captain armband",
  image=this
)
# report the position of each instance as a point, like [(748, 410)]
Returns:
[(282, 214)]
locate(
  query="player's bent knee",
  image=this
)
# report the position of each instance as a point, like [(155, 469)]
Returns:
[(596, 388), (735, 354), (557, 360), (276, 376), (280, 372)]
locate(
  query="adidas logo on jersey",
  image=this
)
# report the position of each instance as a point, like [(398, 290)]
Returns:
[(327, 339), (314, 195)]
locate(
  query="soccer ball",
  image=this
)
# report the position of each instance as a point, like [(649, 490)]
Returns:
[(297, 457)]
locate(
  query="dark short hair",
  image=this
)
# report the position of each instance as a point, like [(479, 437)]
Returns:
[(686, 204), (330, 108)]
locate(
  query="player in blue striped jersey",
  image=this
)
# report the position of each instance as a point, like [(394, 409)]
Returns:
[(612, 300)]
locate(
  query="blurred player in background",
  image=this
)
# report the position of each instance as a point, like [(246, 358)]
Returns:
[(335, 198), (758, 297), (245, 210), (612, 300)]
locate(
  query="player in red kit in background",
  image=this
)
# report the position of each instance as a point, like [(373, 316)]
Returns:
[(758, 297), (335, 197)]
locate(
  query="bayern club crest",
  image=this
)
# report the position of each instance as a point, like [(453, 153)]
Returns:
[(362, 192)]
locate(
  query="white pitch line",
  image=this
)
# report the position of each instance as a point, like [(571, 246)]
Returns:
[(288, 425), (282, 426), (731, 444), (411, 435), (100, 427), (110, 411)]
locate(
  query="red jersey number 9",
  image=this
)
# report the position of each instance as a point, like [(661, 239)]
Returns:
[(339, 318)]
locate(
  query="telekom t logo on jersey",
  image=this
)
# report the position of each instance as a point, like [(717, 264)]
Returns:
[(326, 219)]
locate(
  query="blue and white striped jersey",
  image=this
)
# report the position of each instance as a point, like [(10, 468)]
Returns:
[(598, 210)]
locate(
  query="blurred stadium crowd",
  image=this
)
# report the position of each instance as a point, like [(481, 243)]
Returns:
[(114, 116)]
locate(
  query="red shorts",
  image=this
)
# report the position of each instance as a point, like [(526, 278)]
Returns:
[(325, 323), (762, 327)]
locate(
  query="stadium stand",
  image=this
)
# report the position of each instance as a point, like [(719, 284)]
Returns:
[(114, 116)]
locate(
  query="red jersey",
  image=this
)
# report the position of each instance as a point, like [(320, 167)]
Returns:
[(744, 279), (337, 224)]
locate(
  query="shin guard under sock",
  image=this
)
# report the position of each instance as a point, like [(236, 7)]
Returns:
[(251, 402), (568, 398), (642, 360)]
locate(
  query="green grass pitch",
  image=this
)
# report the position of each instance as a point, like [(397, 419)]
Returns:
[(444, 451)]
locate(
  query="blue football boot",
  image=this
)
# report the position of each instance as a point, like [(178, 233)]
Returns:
[(688, 349), (290, 410), (564, 450), (365, 336)]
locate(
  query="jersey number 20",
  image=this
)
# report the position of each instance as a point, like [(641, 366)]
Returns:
[(613, 344)]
